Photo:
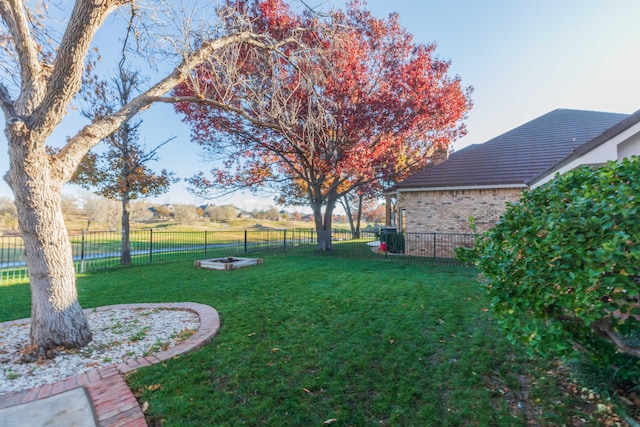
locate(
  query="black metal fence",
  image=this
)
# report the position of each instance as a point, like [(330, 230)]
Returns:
[(99, 250)]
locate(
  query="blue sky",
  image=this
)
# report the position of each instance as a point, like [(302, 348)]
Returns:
[(523, 58)]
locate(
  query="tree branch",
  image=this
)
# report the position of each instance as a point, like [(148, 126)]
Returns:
[(151, 155), (604, 329), (219, 105), (6, 103), (13, 13), (72, 153), (66, 76)]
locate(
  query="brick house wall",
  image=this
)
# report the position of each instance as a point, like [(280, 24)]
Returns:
[(449, 212)]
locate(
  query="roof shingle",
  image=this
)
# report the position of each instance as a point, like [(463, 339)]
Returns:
[(519, 155)]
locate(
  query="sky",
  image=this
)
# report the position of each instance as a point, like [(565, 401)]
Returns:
[(522, 58)]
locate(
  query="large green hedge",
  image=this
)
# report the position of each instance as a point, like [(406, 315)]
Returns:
[(567, 256)]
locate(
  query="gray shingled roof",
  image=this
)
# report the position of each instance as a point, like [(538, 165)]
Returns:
[(516, 157)]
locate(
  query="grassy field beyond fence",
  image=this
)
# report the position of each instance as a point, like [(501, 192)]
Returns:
[(98, 250), (312, 340)]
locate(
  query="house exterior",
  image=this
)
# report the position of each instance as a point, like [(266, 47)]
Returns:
[(481, 179)]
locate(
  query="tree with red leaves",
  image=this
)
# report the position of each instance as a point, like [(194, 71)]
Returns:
[(356, 101)]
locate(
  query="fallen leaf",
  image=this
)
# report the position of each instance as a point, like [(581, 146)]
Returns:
[(145, 406), (251, 334), (330, 421), (153, 387)]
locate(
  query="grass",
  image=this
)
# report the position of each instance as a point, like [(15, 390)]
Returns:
[(99, 250), (308, 339), (77, 222)]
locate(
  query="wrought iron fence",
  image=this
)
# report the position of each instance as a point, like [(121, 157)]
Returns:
[(99, 250)]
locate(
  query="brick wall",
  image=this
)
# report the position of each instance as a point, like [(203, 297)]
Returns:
[(449, 211)]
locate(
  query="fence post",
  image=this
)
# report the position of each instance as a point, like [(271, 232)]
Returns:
[(245, 242), (82, 253), (284, 242), (205, 243), (151, 246), (434, 247)]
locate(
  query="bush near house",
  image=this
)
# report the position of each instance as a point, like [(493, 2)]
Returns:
[(391, 242), (568, 254)]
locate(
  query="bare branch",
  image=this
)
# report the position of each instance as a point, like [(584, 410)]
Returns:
[(152, 153), (216, 104), (6, 103), (14, 15), (72, 153), (68, 66)]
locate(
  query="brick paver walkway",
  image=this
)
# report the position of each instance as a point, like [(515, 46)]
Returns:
[(113, 402)]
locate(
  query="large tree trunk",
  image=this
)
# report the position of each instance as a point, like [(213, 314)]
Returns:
[(46, 89), (323, 236), (56, 316), (323, 222)]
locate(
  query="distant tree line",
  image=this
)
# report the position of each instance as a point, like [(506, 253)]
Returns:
[(99, 211), (8, 214)]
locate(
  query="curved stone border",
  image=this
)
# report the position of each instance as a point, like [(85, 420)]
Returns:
[(209, 326), (111, 398)]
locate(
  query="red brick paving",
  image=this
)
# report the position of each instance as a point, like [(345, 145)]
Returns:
[(113, 402)]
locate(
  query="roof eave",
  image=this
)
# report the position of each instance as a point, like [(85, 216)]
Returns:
[(594, 143), (518, 185)]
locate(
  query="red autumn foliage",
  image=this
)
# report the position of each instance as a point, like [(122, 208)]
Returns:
[(352, 103)]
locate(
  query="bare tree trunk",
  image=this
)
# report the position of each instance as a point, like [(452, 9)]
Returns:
[(344, 201), (323, 236), (56, 316), (354, 225), (328, 223), (46, 89), (125, 256)]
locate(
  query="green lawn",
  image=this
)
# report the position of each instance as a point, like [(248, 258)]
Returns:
[(308, 339)]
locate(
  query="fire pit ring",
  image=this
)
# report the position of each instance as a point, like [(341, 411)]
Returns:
[(226, 263)]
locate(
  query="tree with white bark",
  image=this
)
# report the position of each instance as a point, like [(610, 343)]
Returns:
[(41, 77)]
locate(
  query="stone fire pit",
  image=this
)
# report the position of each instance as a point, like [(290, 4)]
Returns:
[(227, 263)]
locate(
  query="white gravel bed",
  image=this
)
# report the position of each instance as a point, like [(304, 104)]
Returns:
[(118, 335)]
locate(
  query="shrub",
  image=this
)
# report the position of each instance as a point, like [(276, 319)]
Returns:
[(394, 241), (567, 255), (397, 243)]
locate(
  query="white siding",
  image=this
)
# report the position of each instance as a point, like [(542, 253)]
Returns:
[(625, 144)]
